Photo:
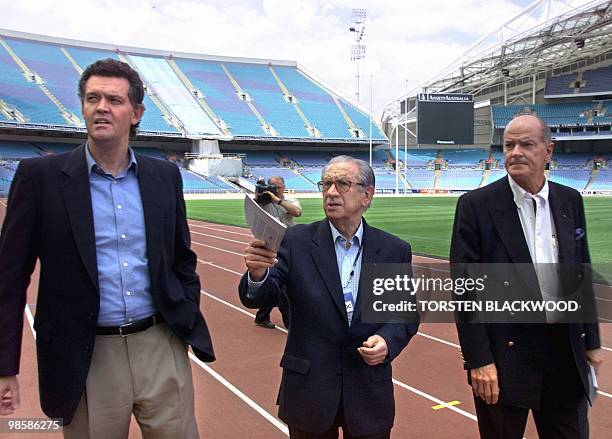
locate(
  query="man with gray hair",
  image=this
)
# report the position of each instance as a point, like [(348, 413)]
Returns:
[(514, 367), (336, 367)]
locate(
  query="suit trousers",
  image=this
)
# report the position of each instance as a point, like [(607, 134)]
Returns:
[(563, 406), (332, 433), (147, 374)]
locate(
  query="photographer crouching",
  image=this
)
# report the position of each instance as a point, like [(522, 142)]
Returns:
[(271, 198)]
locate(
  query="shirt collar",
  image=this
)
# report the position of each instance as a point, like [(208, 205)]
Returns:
[(91, 162), (358, 236), (520, 193)]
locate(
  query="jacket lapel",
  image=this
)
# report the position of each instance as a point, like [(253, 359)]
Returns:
[(370, 250), (77, 197), (508, 224), (563, 217), (149, 186), (324, 257)]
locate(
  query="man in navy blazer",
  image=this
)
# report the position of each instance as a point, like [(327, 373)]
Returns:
[(336, 368), (118, 297), (515, 367)]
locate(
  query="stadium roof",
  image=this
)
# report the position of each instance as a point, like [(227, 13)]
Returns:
[(547, 35)]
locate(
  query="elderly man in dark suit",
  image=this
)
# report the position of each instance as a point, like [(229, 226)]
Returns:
[(525, 219), (118, 298), (336, 367)]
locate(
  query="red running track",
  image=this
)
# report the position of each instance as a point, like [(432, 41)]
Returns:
[(235, 396)]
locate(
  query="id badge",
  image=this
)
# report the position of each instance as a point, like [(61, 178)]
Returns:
[(348, 302)]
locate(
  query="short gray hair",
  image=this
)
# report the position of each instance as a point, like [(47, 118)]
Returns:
[(366, 174)]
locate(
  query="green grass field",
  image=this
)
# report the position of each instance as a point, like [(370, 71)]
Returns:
[(425, 222)]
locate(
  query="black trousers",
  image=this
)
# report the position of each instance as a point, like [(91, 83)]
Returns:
[(563, 405), (333, 432), (263, 314)]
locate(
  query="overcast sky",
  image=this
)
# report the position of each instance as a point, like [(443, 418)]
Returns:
[(407, 41)]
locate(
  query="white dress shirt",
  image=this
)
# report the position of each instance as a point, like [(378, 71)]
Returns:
[(540, 234)]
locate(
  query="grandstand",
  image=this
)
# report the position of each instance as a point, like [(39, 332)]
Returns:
[(556, 67), (279, 119)]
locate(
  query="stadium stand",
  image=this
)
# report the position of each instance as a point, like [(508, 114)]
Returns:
[(460, 179), (588, 82), (420, 178), (464, 157), (258, 81), (152, 121), (23, 97), (576, 178), (603, 181), (293, 181), (17, 150)]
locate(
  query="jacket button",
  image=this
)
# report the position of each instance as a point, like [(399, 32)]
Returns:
[(87, 348), (510, 343), (91, 315), (506, 283), (582, 335)]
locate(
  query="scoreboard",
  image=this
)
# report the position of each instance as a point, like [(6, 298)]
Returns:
[(445, 119)]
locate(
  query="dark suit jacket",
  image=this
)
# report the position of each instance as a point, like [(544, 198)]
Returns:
[(321, 364), (487, 229), (49, 217)]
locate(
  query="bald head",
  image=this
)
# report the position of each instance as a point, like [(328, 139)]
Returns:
[(529, 120)]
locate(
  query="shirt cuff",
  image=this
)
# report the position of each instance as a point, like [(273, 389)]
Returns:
[(254, 286)]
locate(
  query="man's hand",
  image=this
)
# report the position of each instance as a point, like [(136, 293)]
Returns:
[(485, 384), (594, 358), (373, 350), (275, 198), (258, 259), (9, 395)]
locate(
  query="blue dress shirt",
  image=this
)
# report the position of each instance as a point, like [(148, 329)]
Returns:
[(121, 249)]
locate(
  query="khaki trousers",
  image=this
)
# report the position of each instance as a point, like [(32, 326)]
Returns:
[(147, 374)]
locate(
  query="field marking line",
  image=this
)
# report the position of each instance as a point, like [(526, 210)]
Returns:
[(237, 308), (445, 405), (217, 248), (240, 274), (219, 237), (248, 401), (221, 230), (395, 381), (434, 399)]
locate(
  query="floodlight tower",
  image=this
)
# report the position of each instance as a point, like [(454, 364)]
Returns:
[(358, 50)]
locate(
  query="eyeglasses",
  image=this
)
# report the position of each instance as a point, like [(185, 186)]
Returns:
[(342, 185)]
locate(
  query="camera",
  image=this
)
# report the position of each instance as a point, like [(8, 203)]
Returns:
[(260, 196)]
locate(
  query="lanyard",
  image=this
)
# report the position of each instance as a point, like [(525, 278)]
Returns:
[(352, 273)]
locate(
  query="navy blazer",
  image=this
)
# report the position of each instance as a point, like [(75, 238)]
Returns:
[(49, 217), (487, 229), (321, 364)]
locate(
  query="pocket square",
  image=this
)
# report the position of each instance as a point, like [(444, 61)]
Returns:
[(579, 233)]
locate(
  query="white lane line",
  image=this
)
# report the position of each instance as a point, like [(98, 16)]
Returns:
[(237, 308), (604, 394), (397, 382), (30, 318), (439, 340), (219, 267), (248, 401), (218, 237), (434, 399), (221, 230), (217, 248), (267, 416), (431, 337)]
